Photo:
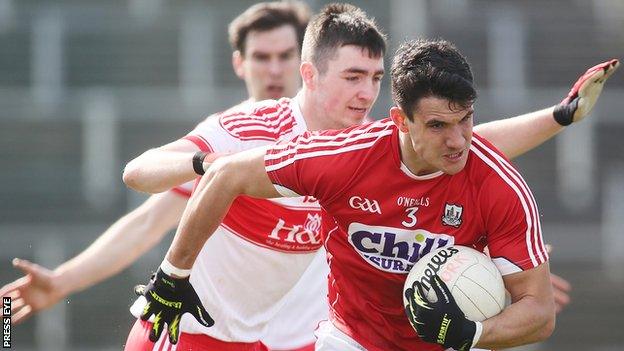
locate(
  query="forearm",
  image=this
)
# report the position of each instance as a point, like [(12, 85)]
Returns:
[(518, 135), (203, 214), (158, 170), (227, 178), (122, 243), (531, 316), (524, 322)]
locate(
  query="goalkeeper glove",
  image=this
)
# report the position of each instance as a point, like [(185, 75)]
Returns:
[(168, 299), (440, 322), (584, 93)]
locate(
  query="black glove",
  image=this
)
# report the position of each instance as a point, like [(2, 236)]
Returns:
[(440, 322), (584, 93), (168, 299)]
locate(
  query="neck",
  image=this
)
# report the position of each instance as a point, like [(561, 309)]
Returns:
[(310, 110)]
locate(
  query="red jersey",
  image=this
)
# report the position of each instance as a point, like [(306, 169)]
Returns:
[(379, 219)]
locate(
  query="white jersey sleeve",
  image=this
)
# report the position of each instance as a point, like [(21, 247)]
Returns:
[(245, 126)]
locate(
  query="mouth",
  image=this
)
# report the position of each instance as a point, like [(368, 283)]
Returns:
[(455, 157), (358, 110), (275, 91)]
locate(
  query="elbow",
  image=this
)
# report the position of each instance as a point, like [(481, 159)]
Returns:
[(131, 177), (135, 178)]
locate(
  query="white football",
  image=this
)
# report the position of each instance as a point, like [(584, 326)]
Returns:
[(473, 279)]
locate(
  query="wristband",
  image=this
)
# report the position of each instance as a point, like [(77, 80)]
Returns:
[(170, 270), (477, 335), (564, 113), (198, 162)]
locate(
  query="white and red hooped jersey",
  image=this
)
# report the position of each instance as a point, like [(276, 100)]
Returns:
[(381, 218), (245, 272)]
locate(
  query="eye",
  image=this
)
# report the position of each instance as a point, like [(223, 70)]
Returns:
[(352, 78), (377, 78), (436, 125), (261, 57), (286, 56)]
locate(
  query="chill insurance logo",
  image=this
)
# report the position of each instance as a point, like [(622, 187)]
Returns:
[(394, 250)]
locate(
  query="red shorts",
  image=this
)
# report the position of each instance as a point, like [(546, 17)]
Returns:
[(138, 340)]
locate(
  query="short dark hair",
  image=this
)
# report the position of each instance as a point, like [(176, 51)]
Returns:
[(337, 25), (423, 68), (266, 16)]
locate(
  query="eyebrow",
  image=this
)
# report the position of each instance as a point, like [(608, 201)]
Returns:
[(287, 51), (435, 120), (469, 112), (362, 71)]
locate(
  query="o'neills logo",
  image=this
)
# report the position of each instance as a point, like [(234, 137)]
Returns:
[(394, 250)]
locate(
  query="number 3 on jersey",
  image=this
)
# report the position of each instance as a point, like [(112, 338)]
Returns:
[(411, 217)]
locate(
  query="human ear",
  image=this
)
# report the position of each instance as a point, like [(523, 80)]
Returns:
[(237, 64), (398, 117), (308, 73)]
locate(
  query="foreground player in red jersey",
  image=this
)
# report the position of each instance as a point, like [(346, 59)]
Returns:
[(386, 188), (345, 55), (338, 82)]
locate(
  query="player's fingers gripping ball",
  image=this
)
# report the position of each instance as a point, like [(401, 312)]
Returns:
[(440, 322), (449, 291), (584, 93), (168, 299)]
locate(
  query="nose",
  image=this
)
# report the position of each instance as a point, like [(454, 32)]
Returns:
[(368, 91), (275, 67), (456, 138)]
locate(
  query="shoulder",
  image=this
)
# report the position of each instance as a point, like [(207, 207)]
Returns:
[(491, 169), (359, 136), (264, 120), (486, 160), (338, 141), (349, 144)]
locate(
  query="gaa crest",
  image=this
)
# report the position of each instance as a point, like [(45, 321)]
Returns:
[(452, 215)]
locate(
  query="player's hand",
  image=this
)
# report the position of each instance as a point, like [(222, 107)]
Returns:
[(561, 289), (440, 322), (584, 93), (168, 299), (36, 291)]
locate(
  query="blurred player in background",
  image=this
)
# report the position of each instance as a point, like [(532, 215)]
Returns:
[(340, 92)]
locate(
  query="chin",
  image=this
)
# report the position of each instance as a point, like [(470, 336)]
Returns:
[(455, 169), (356, 120)]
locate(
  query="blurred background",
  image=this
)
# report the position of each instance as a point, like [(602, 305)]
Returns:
[(87, 85)]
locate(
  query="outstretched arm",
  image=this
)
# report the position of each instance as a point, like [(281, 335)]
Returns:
[(517, 135), (160, 169), (118, 247)]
